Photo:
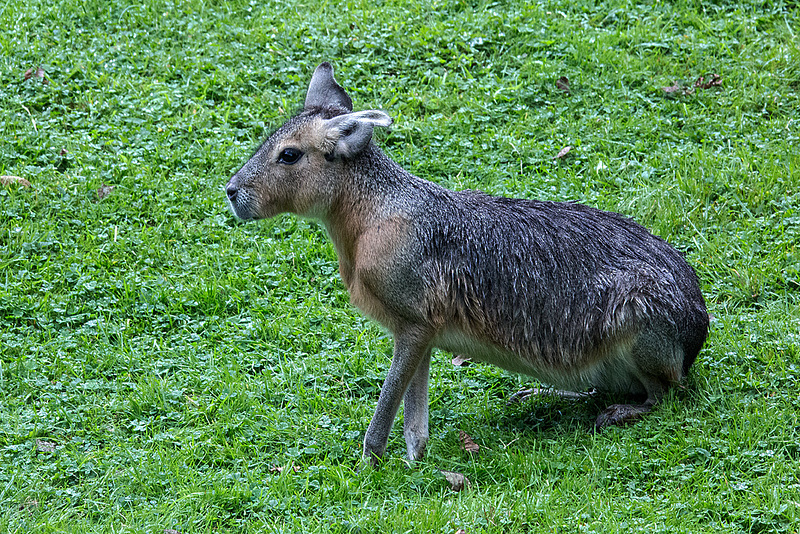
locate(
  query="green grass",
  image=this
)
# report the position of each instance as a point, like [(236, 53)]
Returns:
[(166, 368)]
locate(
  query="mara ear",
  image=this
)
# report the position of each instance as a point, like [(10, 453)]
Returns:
[(323, 91), (347, 135)]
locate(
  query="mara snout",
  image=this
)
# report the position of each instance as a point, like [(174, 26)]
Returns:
[(576, 297)]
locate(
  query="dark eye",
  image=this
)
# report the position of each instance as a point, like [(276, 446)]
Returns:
[(290, 156)]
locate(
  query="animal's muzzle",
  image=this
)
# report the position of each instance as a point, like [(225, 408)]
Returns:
[(232, 192)]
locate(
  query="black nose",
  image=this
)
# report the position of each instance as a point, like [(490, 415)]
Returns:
[(232, 193)]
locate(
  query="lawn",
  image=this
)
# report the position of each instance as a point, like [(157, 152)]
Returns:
[(165, 368)]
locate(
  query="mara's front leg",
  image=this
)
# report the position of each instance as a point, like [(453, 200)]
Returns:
[(415, 410), (411, 353)]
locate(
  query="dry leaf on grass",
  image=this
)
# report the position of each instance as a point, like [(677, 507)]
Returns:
[(563, 152), (8, 180), (104, 190), (45, 446), (467, 443), (460, 360), (29, 504), (38, 72), (281, 468), (714, 80), (457, 481), (672, 88), (703, 82)]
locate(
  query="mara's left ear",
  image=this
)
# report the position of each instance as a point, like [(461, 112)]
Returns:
[(323, 91), (347, 135)]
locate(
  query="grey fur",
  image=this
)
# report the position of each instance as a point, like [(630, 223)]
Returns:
[(572, 295)]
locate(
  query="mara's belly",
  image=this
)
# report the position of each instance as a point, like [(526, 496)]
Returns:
[(611, 372)]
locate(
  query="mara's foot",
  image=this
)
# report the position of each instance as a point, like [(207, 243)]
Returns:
[(620, 414)]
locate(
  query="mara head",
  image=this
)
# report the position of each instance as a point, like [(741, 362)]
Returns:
[(298, 168)]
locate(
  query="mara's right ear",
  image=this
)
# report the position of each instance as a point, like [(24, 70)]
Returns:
[(347, 135), (323, 91)]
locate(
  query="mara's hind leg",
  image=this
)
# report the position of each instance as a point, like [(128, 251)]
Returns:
[(656, 363), (525, 394)]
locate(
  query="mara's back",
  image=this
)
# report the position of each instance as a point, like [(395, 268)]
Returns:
[(559, 284)]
